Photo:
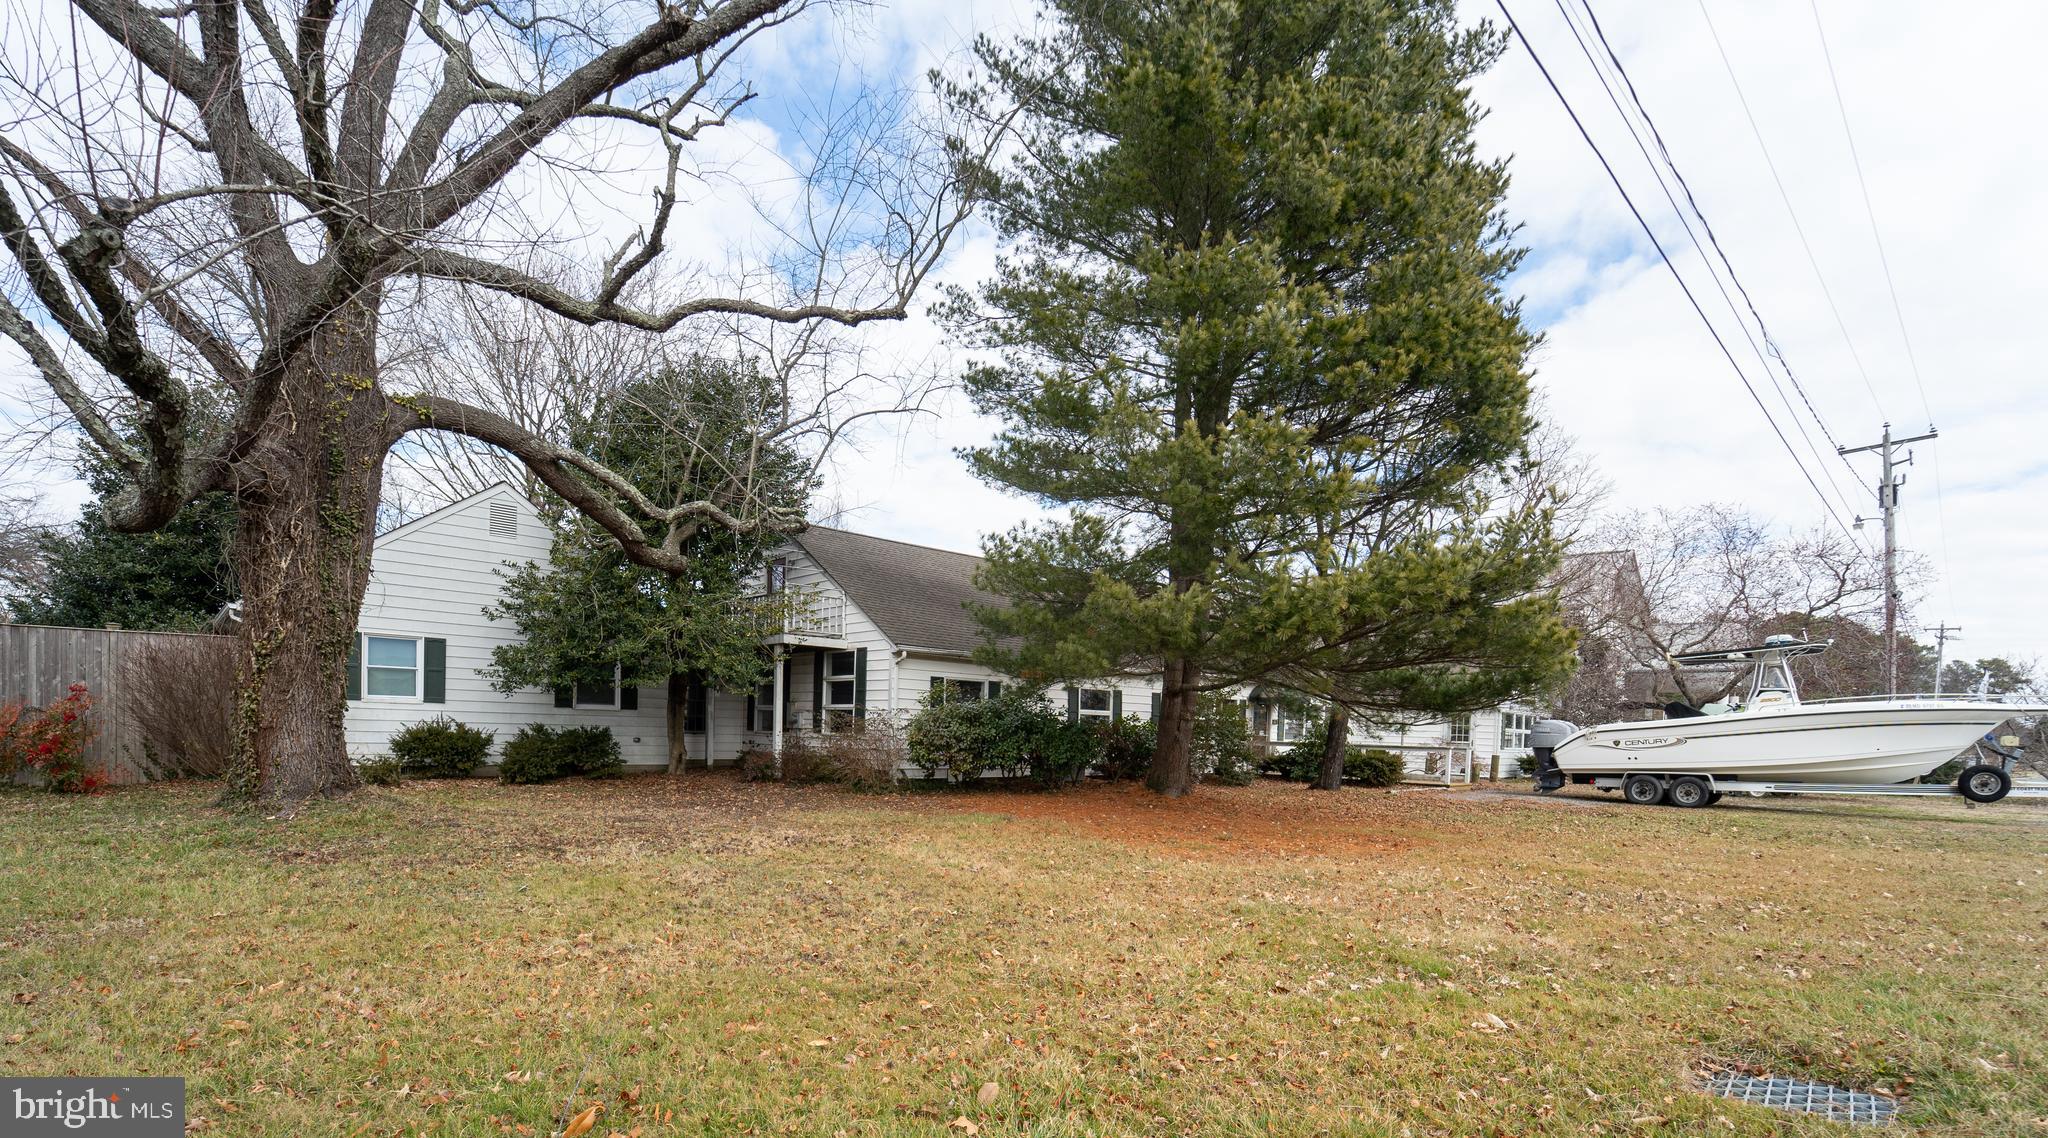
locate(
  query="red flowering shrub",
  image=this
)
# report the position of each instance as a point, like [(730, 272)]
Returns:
[(51, 741)]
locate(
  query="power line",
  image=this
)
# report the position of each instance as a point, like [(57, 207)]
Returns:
[(1728, 265), (1666, 258), (1778, 180), (1891, 286), (1856, 160)]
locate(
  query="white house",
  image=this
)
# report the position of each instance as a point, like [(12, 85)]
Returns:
[(885, 622)]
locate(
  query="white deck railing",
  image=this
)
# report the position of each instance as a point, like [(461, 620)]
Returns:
[(815, 612)]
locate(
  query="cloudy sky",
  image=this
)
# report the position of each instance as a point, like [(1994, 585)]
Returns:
[(1935, 104), (1940, 107)]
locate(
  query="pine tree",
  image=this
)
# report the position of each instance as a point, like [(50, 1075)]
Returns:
[(1249, 332), (592, 609)]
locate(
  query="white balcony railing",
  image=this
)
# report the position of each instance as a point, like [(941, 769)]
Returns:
[(821, 612), (814, 613)]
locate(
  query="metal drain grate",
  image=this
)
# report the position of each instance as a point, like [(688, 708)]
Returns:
[(1832, 1103)]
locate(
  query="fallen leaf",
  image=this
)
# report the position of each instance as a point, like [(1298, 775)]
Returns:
[(581, 1124), (963, 1124), (988, 1093)]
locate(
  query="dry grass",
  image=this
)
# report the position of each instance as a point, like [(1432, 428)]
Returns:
[(703, 956)]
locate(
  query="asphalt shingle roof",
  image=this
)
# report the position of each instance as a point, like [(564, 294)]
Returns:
[(915, 594)]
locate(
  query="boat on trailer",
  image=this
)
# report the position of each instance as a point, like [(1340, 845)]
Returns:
[(1773, 742)]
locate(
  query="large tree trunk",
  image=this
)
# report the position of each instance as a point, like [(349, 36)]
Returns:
[(1336, 745), (678, 718), (1173, 770), (307, 508)]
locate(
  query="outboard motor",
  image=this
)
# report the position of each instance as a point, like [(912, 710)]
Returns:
[(1544, 738)]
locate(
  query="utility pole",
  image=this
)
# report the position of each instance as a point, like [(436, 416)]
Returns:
[(1888, 501), (1943, 633)]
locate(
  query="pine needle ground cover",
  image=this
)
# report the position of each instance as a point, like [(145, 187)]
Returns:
[(703, 956)]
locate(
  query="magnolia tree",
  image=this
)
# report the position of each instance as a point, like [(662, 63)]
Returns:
[(228, 203)]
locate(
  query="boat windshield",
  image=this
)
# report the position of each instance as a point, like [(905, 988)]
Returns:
[(1773, 684)]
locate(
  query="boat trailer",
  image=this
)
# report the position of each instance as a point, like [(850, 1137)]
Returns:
[(1985, 781)]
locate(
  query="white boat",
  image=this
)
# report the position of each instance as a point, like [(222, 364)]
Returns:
[(1774, 737)]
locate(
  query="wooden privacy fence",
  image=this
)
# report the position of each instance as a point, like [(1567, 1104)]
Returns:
[(37, 664)]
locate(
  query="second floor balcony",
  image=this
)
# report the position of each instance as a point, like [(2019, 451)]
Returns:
[(817, 618)]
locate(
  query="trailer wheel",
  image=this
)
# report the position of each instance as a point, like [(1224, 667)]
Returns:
[(1713, 798), (1643, 789), (1691, 792), (1983, 782)]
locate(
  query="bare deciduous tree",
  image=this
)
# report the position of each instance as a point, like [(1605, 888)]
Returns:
[(1714, 576), (22, 526), (232, 198)]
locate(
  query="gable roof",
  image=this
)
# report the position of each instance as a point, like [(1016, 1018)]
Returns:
[(915, 594)]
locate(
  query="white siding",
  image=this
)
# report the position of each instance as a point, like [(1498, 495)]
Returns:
[(917, 671), (432, 578), (804, 574)]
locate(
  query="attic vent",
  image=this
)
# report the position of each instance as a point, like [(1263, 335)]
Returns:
[(504, 520)]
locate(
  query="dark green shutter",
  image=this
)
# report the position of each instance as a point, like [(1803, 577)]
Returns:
[(860, 683), (751, 717), (565, 696), (434, 684), (817, 689), (1073, 705), (1156, 701), (995, 688), (629, 699), (353, 689), (1116, 703)]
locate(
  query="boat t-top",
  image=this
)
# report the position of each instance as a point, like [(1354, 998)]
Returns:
[(1771, 741)]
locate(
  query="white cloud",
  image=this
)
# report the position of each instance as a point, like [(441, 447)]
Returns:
[(1936, 104), (1941, 106)]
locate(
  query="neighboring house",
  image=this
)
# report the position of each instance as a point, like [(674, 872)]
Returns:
[(883, 623)]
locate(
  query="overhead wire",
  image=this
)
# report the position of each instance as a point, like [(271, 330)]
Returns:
[(1768, 350), (1665, 256), (1777, 179), (1891, 286)]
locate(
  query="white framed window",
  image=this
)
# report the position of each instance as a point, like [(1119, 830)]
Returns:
[(764, 706), (1095, 703), (1461, 729), (967, 689), (1289, 726), (1514, 730), (392, 667), (778, 576), (598, 696), (839, 693)]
